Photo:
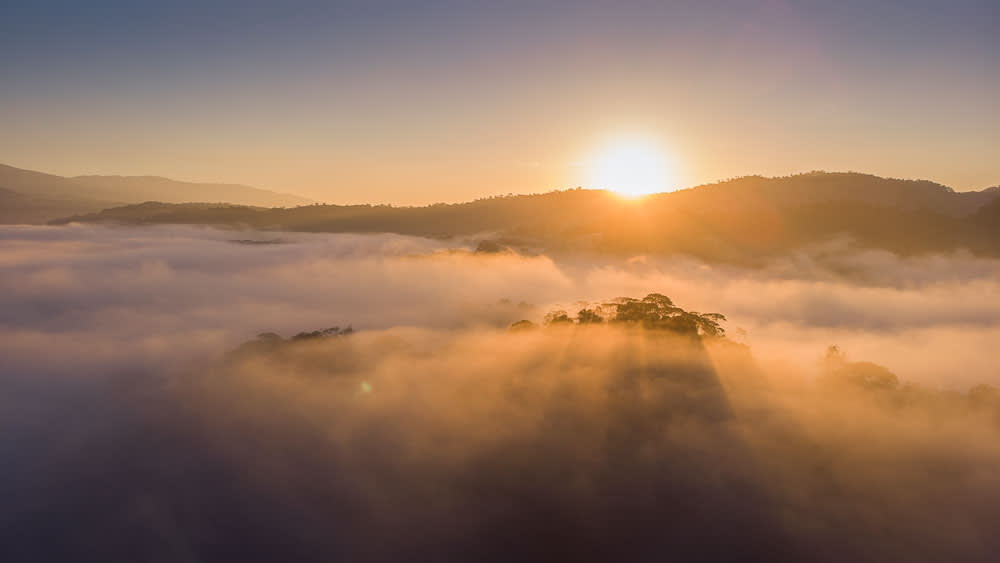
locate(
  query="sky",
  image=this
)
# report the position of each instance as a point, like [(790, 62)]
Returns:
[(416, 102)]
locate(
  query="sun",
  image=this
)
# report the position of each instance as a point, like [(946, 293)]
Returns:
[(631, 168)]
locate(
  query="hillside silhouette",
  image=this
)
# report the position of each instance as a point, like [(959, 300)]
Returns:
[(19, 208), (739, 220), (27, 196)]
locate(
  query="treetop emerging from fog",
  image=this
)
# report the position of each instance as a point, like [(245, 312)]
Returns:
[(653, 312)]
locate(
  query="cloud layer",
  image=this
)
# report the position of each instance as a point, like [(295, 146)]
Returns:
[(433, 433), (159, 295)]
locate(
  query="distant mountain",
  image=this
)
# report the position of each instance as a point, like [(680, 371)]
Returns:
[(16, 207), (154, 188), (742, 220), (33, 197)]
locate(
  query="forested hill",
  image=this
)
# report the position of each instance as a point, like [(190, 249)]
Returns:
[(736, 220)]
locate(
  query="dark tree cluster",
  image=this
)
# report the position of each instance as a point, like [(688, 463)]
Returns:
[(323, 333), (654, 311), (268, 342), (866, 375)]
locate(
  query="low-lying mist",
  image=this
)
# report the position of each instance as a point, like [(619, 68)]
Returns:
[(137, 427), (76, 297)]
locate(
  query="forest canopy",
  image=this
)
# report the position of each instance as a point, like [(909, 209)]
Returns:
[(655, 311)]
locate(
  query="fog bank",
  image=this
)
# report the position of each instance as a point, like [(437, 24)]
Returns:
[(155, 296), (144, 420)]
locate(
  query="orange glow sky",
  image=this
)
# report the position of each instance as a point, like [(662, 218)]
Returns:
[(383, 102)]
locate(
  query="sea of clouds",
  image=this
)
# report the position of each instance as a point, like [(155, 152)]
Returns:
[(82, 297), (131, 430)]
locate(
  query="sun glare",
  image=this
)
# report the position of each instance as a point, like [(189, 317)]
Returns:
[(632, 168)]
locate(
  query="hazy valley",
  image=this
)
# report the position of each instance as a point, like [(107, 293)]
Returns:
[(139, 342)]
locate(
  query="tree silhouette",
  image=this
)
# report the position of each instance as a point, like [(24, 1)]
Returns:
[(523, 325), (557, 317), (648, 311), (657, 311), (865, 375), (654, 311), (323, 333)]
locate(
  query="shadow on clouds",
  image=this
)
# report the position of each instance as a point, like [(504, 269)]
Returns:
[(433, 432)]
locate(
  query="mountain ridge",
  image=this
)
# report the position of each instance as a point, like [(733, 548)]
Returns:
[(743, 220), (817, 186), (36, 197)]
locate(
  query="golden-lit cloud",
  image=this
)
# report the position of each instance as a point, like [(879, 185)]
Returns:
[(131, 409)]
